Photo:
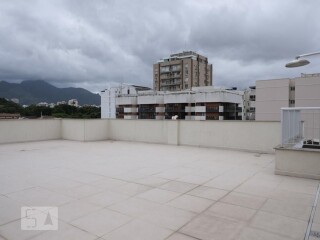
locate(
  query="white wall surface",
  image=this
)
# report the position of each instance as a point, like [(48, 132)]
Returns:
[(150, 99), (73, 129), (25, 130), (244, 135), (219, 96), (108, 103), (178, 98), (298, 163), (173, 132), (96, 130), (152, 131), (126, 100), (271, 96), (85, 130), (307, 92)]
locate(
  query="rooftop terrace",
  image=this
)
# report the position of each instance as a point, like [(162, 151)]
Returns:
[(127, 190)]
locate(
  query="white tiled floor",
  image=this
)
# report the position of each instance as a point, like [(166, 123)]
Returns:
[(101, 222), (208, 192), (138, 230), (134, 207), (76, 209), (168, 217), (286, 226), (191, 203), (120, 190), (244, 200), (159, 195)]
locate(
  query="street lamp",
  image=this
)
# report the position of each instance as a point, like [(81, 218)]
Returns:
[(298, 62)]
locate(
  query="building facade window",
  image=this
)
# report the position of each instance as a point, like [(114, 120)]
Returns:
[(175, 67), (165, 69), (186, 69)]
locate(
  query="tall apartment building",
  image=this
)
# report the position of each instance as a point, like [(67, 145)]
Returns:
[(182, 71), (272, 95)]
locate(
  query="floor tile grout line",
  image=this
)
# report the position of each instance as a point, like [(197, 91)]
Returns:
[(197, 215), (312, 214)]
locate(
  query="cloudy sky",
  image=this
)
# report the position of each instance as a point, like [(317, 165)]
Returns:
[(92, 43)]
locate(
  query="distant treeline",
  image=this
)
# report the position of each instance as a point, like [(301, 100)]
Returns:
[(59, 111)]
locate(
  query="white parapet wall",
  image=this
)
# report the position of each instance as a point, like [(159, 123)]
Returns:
[(151, 131), (299, 162), (242, 135), (84, 129), (25, 130)]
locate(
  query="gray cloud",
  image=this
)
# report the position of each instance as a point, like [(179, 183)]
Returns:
[(91, 43)]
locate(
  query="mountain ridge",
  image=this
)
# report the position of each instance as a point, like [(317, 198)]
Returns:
[(34, 91)]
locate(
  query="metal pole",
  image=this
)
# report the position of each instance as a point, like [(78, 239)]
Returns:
[(282, 127), (307, 54)]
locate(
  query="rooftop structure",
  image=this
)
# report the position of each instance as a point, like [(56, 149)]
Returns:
[(182, 71)]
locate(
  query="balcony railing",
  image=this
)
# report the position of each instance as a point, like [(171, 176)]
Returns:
[(170, 76), (232, 109), (171, 83), (174, 110), (212, 109), (301, 126)]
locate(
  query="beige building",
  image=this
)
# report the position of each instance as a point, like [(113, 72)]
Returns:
[(272, 95), (307, 90), (182, 71)]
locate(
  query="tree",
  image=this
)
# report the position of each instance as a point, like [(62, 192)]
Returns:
[(9, 107)]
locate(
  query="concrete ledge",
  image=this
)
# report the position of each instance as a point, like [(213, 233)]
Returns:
[(298, 162), (28, 130), (84, 129), (238, 135), (149, 131), (241, 135)]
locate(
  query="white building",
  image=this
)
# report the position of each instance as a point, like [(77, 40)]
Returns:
[(200, 103), (73, 102), (52, 105), (249, 103), (43, 104), (15, 100), (110, 98), (61, 103)]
